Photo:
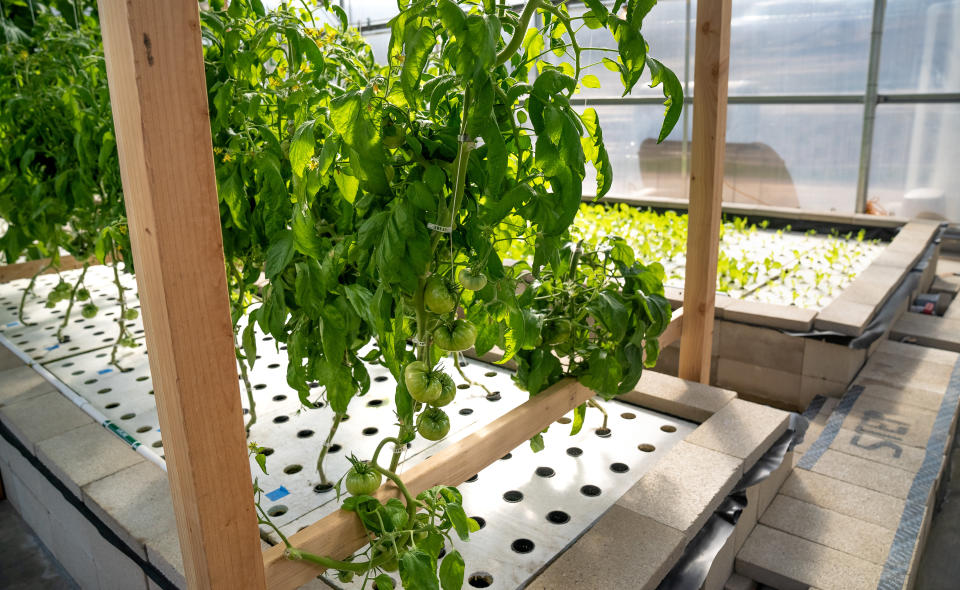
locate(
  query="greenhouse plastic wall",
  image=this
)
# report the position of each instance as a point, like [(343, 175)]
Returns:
[(798, 85)]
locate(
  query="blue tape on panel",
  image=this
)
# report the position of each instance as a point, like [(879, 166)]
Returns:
[(104, 371), (277, 494)]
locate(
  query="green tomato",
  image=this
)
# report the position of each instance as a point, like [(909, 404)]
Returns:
[(89, 311), (433, 424), (456, 337), (556, 331), (131, 314), (362, 479), (422, 382), (472, 280), (62, 289), (391, 564), (448, 391), (345, 577), (437, 296), (82, 294)]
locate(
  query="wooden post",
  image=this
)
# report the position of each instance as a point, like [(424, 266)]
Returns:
[(706, 186), (159, 99)]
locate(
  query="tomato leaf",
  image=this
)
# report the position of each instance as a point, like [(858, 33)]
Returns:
[(416, 571), (452, 571), (279, 254)]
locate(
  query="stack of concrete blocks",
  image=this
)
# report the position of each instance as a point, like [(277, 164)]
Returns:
[(754, 354), (643, 535)]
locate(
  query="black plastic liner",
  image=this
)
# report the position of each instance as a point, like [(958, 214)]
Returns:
[(691, 570)]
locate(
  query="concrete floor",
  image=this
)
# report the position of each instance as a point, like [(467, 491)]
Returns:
[(25, 564)]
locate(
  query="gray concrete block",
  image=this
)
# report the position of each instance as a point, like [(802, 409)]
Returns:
[(922, 398), (878, 477), (22, 383), (788, 562), (135, 502), (826, 527), (722, 566), (878, 449), (8, 360), (115, 571), (845, 498), (897, 370), (163, 551), (920, 353), (831, 362), (765, 347), (782, 317), (742, 429), (770, 487), (685, 487), (621, 547), (739, 582), (902, 423), (86, 454), (686, 399), (41, 417), (781, 387)]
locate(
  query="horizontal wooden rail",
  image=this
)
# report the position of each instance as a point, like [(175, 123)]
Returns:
[(26, 270), (674, 328), (340, 534)]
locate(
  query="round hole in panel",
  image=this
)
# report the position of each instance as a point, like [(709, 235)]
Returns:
[(493, 397), (507, 456), (513, 496), (335, 448), (522, 546), (563, 420), (112, 405), (143, 377), (466, 411), (463, 386), (305, 434), (480, 580), (668, 428), (279, 397), (380, 378), (545, 471), (574, 451), (375, 402), (619, 467), (628, 415), (591, 491), (603, 432), (558, 517), (481, 521), (266, 451), (473, 478), (291, 469), (278, 510), (273, 366), (143, 429), (370, 431), (281, 419), (127, 416), (646, 447), (322, 488), (490, 374), (89, 381)]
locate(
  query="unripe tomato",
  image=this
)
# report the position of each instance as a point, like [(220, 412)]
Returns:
[(456, 337), (362, 479), (89, 311), (423, 383), (82, 294), (131, 314), (448, 391), (437, 296), (433, 424), (472, 280)]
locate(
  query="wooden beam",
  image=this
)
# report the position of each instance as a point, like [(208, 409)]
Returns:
[(159, 98), (706, 186), (672, 333), (340, 534), (28, 269)]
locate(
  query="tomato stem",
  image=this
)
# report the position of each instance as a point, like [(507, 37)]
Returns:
[(73, 297), (337, 419)]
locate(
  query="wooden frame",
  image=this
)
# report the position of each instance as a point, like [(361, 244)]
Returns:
[(158, 93)]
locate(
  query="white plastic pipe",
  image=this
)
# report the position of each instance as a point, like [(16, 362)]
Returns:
[(85, 405)]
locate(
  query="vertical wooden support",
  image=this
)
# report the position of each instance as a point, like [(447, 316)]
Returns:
[(159, 98), (711, 64)]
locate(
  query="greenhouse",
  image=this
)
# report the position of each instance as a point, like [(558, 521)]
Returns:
[(451, 294)]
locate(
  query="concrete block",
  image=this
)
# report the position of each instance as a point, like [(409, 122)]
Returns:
[(761, 346), (924, 399), (748, 518), (41, 417), (738, 582), (832, 362), (685, 487), (686, 399), (826, 527), (745, 378), (816, 425), (668, 363), (788, 562), (844, 316), (73, 554), (115, 571), (900, 423), (135, 502), (874, 285), (910, 360), (865, 473), (86, 454), (163, 551), (928, 330), (845, 498), (947, 285), (782, 317), (878, 449), (622, 545), (33, 512), (814, 386), (18, 465), (722, 567), (770, 487), (22, 383), (742, 429), (8, 360)]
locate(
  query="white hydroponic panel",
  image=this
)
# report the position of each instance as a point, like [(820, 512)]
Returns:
[(39, 339)]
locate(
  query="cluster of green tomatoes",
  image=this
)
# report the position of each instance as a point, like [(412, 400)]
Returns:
[(430, 385), (62, 293)]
